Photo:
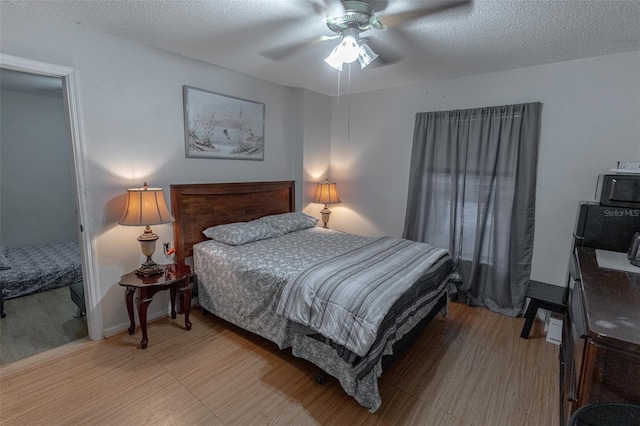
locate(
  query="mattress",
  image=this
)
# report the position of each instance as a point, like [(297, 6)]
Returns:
[(243, 284)]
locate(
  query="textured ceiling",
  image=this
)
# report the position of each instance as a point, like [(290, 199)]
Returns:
[(480, 37)]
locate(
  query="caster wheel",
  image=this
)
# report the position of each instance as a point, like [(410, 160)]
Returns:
[(320, 379)]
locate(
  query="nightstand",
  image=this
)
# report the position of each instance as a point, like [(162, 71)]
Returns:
[(174, 277)]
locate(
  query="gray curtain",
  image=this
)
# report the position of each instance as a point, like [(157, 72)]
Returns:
[(472, 190)]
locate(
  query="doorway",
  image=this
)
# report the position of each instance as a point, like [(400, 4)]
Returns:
[(38, 223), (70, 96)]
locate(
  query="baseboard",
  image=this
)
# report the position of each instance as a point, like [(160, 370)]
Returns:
[(120, 328)]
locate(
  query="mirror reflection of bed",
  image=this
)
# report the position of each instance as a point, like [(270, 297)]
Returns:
[(42, 293)]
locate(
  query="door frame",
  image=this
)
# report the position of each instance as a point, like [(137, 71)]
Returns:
[(71, 97)]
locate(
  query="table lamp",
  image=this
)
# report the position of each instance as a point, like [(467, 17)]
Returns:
[(145, 207), (326, 194)]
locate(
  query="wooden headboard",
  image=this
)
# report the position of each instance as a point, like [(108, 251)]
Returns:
[(199, 206)]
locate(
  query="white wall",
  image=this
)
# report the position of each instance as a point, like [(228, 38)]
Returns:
[(36, 168), (317, 135), (131, 105), (590, 120)]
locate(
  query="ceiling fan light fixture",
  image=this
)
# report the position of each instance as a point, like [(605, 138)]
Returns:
[(348, 49), (334, 60), (366, 55)]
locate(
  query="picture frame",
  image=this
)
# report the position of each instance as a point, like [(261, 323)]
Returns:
[(222, 126)]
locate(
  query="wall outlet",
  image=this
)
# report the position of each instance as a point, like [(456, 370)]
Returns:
[(167, 249)]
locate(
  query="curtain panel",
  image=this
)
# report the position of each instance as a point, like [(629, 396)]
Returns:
[(472, 189)]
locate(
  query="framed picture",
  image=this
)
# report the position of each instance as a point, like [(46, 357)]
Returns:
[(220, 126)]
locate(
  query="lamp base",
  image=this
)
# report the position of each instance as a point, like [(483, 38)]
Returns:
[(325, 216), (149, 268), (148, 245), (148, 272)]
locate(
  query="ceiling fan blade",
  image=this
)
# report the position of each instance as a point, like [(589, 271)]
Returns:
[(283, 52), (402, 17), (328, 7)]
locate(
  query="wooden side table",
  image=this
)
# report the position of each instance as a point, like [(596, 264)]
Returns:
[(177, 278)]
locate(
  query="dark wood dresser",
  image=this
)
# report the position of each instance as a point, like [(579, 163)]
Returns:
[(600, 352)]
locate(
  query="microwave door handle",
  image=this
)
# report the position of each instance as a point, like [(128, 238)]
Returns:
[(612, 188)]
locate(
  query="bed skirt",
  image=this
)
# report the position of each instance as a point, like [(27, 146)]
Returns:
[(365, 390)]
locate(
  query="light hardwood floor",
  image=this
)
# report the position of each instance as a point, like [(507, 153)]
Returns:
[(471, 368), (38, 323)]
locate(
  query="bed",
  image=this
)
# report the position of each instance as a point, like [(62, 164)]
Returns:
[(250, 285), (29, 270)]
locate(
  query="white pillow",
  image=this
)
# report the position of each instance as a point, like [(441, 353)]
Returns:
[(290, 222), (239, 233)]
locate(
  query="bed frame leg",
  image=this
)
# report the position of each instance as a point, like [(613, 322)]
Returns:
[(320, 378)]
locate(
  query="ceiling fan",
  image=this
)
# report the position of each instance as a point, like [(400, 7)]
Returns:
[(348, 19)]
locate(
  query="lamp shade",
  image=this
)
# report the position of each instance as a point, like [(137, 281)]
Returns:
[(145, 206), (326, 193)]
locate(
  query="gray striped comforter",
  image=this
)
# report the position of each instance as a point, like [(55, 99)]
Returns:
[(345, 298)]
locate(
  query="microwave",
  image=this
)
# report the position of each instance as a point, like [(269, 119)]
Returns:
[(619, 190)]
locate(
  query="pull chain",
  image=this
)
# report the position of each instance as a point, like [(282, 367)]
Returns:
[(338, 103), (349, 104)]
